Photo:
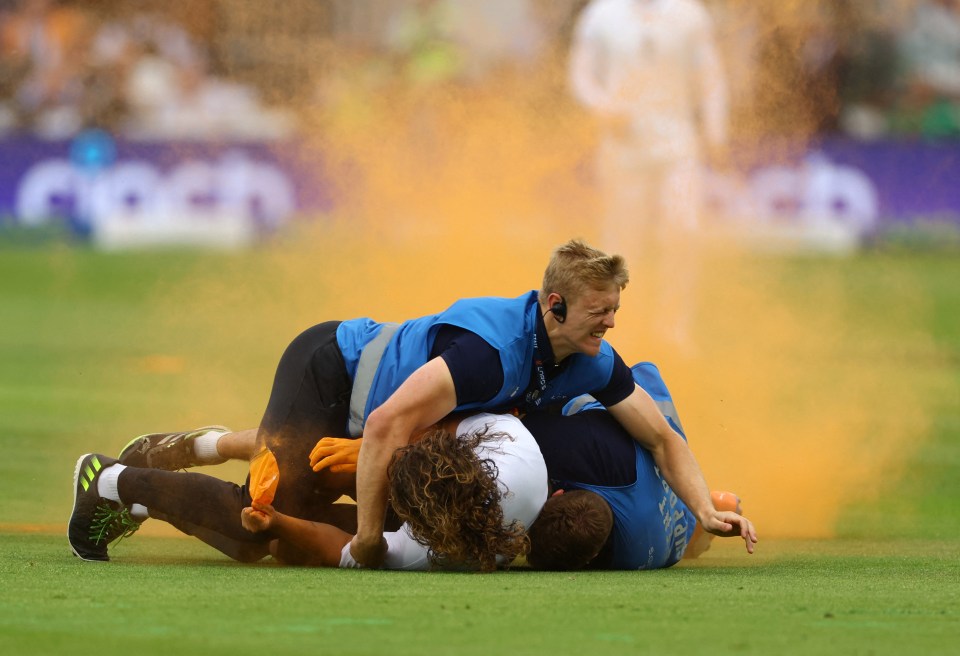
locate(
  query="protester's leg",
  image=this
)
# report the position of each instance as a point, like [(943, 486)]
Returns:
[(341, 516), (309, 400), (243, 551), (188, 497), (238, 445), (175, 451)]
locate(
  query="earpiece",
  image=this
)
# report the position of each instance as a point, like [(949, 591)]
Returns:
[(559, 310)]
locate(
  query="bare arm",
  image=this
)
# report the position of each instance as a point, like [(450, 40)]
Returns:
[(423, 399), (640, 416), (316, 544)]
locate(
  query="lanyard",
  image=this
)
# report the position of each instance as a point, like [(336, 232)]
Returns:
[(534, 396)]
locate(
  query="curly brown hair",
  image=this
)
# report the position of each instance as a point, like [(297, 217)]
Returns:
[(448, 495)]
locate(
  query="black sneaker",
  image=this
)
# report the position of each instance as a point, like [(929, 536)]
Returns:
[(95, 522), (169, 451)]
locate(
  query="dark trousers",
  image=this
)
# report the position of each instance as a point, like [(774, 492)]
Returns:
[(310, 399)]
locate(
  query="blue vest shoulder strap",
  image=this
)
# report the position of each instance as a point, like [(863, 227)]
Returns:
[(648, 377), (397, 351)]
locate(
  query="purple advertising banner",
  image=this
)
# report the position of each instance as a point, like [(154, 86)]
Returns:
[(861, 188), (95, 176), (96, 181), (912, 178)]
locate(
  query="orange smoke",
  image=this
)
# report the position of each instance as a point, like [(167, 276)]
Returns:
[(462, 191)]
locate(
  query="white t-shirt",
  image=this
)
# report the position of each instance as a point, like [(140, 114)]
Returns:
[(522, 478), (655, 63)]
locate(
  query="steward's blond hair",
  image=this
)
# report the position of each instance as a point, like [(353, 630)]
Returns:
[(576, 267)]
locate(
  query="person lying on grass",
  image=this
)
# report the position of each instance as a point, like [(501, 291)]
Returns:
[(465, 500), (622, 515)]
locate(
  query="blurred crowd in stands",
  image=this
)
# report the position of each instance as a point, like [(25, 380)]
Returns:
[(154, 70), (65, 66)]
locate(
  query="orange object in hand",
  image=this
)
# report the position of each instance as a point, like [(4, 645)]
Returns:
[(264, 477)]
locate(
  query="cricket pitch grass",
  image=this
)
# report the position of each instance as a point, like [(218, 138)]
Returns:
[(859, 527)]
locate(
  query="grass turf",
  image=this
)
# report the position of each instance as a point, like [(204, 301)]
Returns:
[(793, 597), (89, 359)]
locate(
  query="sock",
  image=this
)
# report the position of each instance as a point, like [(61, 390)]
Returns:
[(205, 448), (107, 482), (139, 512)]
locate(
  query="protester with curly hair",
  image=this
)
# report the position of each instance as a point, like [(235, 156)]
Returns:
[(446, 489), (466, 497)]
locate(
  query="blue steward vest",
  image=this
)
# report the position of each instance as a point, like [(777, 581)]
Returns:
[(652, 526), (380, 357)]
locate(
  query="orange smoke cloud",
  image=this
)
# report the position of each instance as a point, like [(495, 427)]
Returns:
[(457, 192)]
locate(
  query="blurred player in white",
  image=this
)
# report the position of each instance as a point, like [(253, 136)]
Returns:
[(650, 72)]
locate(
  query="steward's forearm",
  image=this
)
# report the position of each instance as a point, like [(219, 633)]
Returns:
[(682, 473)]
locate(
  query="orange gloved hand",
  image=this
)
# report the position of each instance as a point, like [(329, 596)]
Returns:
[(337, 454), (264, 477)]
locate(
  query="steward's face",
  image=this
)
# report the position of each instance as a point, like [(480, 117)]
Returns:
[(589, 317)]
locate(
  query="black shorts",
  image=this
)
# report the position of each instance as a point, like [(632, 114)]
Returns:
[(310, 399), (311, 388)]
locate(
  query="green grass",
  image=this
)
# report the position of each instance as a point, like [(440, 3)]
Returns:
[(794, 597), (925, 499), (95, 348)]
